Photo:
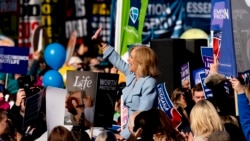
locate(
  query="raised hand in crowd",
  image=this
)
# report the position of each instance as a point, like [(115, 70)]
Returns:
[(20, 96), (243, 105), (237, 86), (214, 66)]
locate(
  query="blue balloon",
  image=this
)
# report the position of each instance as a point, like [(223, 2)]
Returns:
[(55, 55), (53, 78)]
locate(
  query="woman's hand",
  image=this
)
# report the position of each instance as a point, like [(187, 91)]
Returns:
[(97, 37), (20, 96), (237, 86), (214, 66)]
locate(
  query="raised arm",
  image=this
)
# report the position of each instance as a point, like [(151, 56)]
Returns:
[(111, 54), (243, 106)]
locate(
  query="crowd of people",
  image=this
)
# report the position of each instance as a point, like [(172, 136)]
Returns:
[(135, 111)]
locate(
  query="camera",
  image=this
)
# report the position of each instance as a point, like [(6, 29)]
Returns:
[(26, 82)]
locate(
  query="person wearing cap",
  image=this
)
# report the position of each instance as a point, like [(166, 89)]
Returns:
[(75, 62)]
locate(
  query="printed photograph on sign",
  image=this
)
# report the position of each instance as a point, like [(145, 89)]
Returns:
[(90, 98), (80, 100)]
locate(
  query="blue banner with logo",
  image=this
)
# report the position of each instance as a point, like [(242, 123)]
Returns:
[(166, 105), (196, 75), (185, 74), (222, 21), (207, 57), (208, 92), (163, 20), (14, 60)]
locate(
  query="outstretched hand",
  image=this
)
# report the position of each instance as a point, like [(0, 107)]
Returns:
[(97, 34), (214, 66), (97, 37)]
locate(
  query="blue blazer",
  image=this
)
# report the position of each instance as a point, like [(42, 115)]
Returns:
[(138, 95), (244, 114)]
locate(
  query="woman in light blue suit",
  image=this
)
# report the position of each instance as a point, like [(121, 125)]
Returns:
[(140, 92)]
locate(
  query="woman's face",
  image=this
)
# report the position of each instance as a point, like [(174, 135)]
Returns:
[(183, 101), (131, 61), (1, 95), (3, 124)]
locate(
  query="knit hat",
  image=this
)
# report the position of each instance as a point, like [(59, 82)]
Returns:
[(4, 105)]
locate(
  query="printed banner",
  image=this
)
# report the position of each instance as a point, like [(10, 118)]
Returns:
[(207, 57), (33, 105), (185, 74), (164, 19), (9, 13), (91, 95), (241, 30), (196, 75), (222, 22), (52, 20), (29, 20), (208, 92), (197, 14), (86, 17), (133, 15), (14, 60), (166, 105)]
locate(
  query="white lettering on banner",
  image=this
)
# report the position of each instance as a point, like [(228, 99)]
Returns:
[(82, 82), (12, 59), (162, 99), (80, 8), (107, 84), (159, 23), (158, 9), (198, 7), (79, 25), (221, 14), (160, 18)]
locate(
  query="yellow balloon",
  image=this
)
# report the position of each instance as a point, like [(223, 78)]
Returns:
[(194, 33), (63, 72)]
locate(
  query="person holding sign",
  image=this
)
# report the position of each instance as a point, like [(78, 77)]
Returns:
[(17, 115), (243, 105), (140, 92)]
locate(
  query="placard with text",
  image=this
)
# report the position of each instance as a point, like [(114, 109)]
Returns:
[(91, 95)]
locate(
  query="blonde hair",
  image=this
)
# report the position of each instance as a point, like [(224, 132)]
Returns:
[(176, 97), (204, 119), (146, 61), (230, 119), (106, 136)]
